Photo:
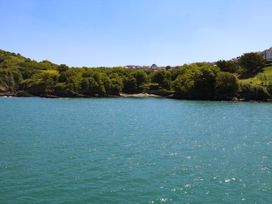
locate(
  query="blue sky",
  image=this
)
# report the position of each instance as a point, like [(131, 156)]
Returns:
[(122, 32)]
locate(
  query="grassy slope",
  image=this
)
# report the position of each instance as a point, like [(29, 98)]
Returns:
[(262, 78)]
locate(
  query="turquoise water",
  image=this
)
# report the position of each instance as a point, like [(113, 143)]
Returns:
[(134, 151)]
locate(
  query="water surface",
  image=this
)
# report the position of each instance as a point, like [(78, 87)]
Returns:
[(134, 151)]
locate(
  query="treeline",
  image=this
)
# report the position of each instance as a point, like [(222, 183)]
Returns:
[(20, 76)]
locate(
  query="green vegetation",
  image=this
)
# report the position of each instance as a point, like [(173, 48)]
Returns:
[(264, 77), (226, 85), (196, 81), (247, 78), (251, 61), (228, 66)]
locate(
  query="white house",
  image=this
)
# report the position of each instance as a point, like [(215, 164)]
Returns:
[(268, 54)]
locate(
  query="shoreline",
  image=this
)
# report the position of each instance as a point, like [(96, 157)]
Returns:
[(122, 95), (125, 95), (139, 95)]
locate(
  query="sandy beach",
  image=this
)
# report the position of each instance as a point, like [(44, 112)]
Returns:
[(140, 95)]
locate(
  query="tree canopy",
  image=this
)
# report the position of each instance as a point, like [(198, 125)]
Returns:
[(252, 61), (22, 76)]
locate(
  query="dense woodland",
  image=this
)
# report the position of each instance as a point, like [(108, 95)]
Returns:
[(222, 80)]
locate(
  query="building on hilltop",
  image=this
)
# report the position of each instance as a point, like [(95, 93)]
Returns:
[(133, 67), (154, 66), (267, 54)]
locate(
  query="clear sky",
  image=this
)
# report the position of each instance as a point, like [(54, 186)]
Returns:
[(142, 32)]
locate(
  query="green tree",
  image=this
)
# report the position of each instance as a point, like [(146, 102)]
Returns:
[(115, 87), (62, 68), (252, 61), (162, 77), (228, 66), (130, 85), (72, 78), (42, 83), (10, 80), (197, 81), (227, 85), (141, 78), (90, 87)]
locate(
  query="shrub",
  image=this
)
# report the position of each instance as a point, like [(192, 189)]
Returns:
[(253, 92), (251, 61), (228, 66), (226, 85)]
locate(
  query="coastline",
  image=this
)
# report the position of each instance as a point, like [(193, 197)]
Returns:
[(125, 95), (122, 95), (139, 95), (197, 81)]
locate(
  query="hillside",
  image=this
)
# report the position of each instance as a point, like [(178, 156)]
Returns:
[(263, 77), (21, 76)]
